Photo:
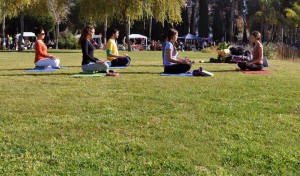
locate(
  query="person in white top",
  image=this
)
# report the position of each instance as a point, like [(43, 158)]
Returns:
[(172, 63)]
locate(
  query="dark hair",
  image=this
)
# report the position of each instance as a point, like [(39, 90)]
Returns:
[(164, 36), (111, 32), (85, 32), (38, 30), (257, 35), (171, 33)]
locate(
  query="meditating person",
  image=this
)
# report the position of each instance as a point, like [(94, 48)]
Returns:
[(42, 58), (112, 50), (257, 62), (172, 63), (89, 62)]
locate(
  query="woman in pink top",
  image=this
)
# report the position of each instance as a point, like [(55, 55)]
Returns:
[(42, 58), (257, 62)]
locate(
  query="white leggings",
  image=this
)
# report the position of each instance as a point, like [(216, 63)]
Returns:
[(48, 62), (96, 66)]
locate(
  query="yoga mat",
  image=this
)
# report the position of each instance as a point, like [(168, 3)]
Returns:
[(180, 74), (43, 69), (120, 67), (257, 72), (88, 75)]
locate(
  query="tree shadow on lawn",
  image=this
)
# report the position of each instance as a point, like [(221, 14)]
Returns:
[(233, 70), (140, 73), (16, 69), (146, 66), (40, 74)]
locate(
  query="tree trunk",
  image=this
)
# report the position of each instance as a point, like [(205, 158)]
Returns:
[(295, 34), (57, 34), (3, 24), (20, 39), (231, 22), (105, 30), (193, 26), (127, 26), (150, 28)]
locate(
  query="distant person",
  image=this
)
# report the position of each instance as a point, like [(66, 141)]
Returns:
[(172, 63), (8, 42), (89, 62), (99, 41), (42, 58), (257, 62), (112, 50)]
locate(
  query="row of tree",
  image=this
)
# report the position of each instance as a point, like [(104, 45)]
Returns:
[(274, 18)]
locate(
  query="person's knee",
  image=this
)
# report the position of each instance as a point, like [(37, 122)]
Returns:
[(57, 61)]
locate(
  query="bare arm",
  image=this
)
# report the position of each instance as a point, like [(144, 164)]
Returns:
[(177, 61)]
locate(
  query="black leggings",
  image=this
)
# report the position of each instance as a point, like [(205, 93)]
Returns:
[(253, 67), (177, 68), (121, 61)]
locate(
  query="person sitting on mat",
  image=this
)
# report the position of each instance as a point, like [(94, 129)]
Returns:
[(257, 62), (172, 63), (89, 62), (112, 50), (42, 58)]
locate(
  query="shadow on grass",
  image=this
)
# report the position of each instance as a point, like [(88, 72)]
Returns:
[(40, 74), (146, 66), (140, 73), (223, 70), (16, 69)]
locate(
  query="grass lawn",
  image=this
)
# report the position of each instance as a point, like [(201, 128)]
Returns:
[(141, 123)]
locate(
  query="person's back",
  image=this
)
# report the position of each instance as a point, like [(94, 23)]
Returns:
[(90, 63), (87, 52)]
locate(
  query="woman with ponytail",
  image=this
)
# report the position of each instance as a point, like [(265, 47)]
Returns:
[(257, 62), (89, 62), (172, 63)]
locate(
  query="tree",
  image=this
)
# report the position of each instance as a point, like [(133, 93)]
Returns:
[(128, 11), (18, 7), (203, 19), (59, 10), (293, 16), (218, 26)]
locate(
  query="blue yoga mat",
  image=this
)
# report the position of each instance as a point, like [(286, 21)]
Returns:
[(120, 67), (180, 74), (43, 69)]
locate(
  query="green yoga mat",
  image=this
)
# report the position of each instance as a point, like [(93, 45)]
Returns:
[(88, 75)]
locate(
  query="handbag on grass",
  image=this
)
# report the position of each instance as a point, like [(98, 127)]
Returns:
[(201, 72)]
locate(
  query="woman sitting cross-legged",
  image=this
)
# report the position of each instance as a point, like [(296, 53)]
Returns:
[(112, 50), (172, 63), (42, 57), (89, 62), (257, 62)]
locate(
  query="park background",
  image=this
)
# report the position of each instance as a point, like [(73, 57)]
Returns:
[(141, 123)]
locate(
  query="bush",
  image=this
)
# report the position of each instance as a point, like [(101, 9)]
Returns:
[(211, 49), (68, 41), (270, 50)]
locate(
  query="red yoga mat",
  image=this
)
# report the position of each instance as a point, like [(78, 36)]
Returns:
[(257, 72)]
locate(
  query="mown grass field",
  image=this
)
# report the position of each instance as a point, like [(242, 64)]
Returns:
[(141, 123)]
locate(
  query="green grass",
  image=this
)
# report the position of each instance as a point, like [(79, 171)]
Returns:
[(141, 123)]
